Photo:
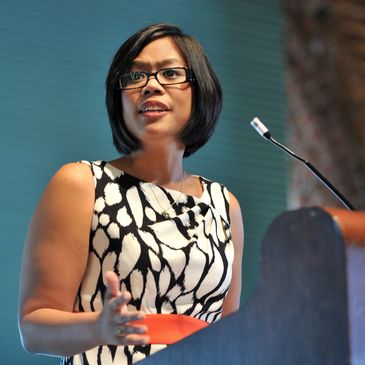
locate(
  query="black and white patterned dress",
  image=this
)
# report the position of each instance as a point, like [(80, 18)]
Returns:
[(182, 264)]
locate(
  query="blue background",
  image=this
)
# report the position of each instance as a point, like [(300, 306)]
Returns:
[(54, 57)]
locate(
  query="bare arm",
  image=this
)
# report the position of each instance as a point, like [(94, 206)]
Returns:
[(232, 300), (54, 263)]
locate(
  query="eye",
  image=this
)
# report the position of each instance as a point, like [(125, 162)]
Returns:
[(171, 73), (134, 77)]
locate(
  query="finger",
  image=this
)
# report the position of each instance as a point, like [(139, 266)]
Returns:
[(137, 339), (134, 339), (121, 301), (112, 283), (137, 329), (108, 295), (126, 317), (129, 330)]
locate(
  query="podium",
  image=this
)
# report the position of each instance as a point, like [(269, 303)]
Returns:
[(308, 307)]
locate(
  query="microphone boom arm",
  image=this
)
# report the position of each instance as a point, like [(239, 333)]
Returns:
[(263, 131)]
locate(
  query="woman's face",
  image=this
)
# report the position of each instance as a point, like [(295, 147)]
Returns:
[(156, 111)]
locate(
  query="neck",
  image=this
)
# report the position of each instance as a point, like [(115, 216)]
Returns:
[(157, 166)]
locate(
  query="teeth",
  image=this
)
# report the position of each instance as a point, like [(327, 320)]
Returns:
[(152, 109)]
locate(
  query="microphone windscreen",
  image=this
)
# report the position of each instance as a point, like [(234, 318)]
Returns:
[(259, 127)]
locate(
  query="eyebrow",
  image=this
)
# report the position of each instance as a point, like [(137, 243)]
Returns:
[(163, 63)]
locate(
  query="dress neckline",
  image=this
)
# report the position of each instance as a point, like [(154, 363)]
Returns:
[(201, 180)]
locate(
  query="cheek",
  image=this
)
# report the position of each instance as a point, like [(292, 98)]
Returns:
[(189, 103), (185, 101), (128, 105)]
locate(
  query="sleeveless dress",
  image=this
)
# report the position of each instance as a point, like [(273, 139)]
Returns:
[(180, 264)]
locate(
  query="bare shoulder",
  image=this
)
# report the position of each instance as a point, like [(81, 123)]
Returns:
[(232, 301), (68, 198), (73, 175), (234, 207), (56, 250), (236, 223)]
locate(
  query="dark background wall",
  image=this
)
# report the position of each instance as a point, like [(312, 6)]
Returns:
[(325, 56), (54, 58)]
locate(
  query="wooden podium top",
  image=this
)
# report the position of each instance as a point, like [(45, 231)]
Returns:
[(351, 223)]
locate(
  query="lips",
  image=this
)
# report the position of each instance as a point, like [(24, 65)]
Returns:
[(153, 107)]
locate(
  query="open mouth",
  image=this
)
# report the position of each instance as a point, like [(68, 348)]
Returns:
[(153, 107), (149, 109)]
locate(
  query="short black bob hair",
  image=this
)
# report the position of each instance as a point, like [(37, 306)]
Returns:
[(206, 90)]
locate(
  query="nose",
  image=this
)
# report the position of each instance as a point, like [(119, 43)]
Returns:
[(152, 87)]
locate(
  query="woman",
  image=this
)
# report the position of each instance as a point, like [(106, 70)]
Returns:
[(112, 242)]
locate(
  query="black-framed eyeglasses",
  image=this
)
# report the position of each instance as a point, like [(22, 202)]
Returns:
[(165, 76)]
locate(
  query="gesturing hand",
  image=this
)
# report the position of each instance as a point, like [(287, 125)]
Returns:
[(115, 318)]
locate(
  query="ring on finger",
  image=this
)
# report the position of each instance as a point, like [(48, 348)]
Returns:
[(120, 331)]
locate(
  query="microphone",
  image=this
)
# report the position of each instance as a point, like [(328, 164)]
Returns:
[(263, 131)]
